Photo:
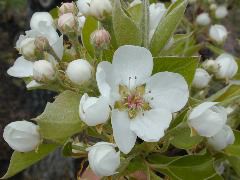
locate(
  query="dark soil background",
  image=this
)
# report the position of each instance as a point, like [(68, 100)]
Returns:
[(16, 103)]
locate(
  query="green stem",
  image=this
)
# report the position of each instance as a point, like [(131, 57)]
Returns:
[(145, 23)]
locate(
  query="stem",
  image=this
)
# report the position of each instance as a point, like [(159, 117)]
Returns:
[(145, 23)]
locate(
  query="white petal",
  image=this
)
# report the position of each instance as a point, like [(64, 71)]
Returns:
[(94, 111), (39, 17), (167, 90), (104, 78), (58, 47), (197, 111), (33, 84), (132, 65), (222, 139), (150, 127), (123, 136), (21, 68)]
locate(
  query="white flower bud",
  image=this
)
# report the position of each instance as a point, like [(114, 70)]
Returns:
[(201, 79), (94, 111), (227, 66), (207, 119), (221, 12), (38, 18), (100, 9), (79, 71), (43, 71), (27, 48), (210, 65), (67, 22), (203, 19), (218, 33), (103, 159), (83, 6), (22, 136), (222, 139), (67, 8), (100, 39)]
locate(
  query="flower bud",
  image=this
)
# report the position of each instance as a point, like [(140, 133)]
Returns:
[(218, 33), (100, 9), (227, 66), (207, 119), (79, 71), (67, 23), (100, 39), (42, 44), (27, 48), (93, 111), (43, 71), (203, 19), (210, 65), (221, 12), (222, 139), (201, 79), (103, 159), (38, 18), (67, 8), (22, 136)]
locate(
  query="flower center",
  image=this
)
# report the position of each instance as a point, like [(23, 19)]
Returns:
[(132, 101)]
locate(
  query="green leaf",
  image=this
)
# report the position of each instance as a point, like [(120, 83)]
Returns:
[(54, 13), (90, 26), (187, 167), (20, 161), (235, 163), (167, 26), (125, 29), (60, 119), (234, 149), (186, 66), (136, 13)]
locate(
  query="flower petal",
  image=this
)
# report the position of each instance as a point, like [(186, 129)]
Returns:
[(33, 84), (124, 137), (132, 65), (21, 68), (167, 90), (151, 125), (58, 47)]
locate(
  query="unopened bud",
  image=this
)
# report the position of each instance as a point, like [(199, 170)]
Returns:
[(67, 23), (79, 71), (203, 19), (27, 48), (42, 44), (218, 33), (100, 39), (221, 12), (43, 71), (210, 65), (67, 8), (201, 79)]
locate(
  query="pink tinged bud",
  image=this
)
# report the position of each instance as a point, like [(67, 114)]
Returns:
[(43, 71), (67, 22), (100, 39), (67, 8)]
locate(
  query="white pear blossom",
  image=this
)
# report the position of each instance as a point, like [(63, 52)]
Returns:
[(79, 71), (207, 119), (156, 13), (218, 33), (142, 105), (43, 71), (201, 79), (203, 19), (96, 8), (222, 139), (227, 66), (88, 108), (22, 136), (40, 18), (221, 12), (103, 159)]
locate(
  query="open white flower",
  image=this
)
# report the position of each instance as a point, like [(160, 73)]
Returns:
[(222, 139), (207, 119), (218, 33), (227, 66), (22, 136), (142, 104), (88, 108), (103, 159)]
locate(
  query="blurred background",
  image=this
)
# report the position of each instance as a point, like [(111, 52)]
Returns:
[(17, 104)]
